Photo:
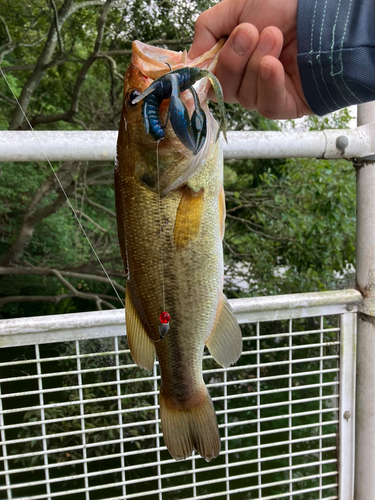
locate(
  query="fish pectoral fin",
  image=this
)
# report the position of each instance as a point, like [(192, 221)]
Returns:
[(225, 340), (191, 427), (188, 217), (141, 347), (222, 211)]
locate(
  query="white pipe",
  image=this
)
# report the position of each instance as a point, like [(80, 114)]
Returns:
[(365, 397), (21, 146)]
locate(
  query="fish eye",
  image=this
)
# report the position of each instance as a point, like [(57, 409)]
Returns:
[(132, 95)]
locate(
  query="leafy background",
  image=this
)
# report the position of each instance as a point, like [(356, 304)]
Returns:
[(290, 225)]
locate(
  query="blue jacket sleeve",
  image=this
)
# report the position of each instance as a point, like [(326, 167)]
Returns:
[(336, 52)]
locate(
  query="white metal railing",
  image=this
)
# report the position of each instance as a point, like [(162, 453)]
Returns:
[(115, 449), (79, 420), (101, 145)]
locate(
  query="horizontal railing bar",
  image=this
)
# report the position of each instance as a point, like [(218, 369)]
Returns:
[(236, 368), (290, 334), (152, 393), (152, 378), (154, 464), (279, 430), (77, 387), (239, 490), (292, 348), (282, 417), (85, 416), (84, 371), (66, 358), (162, 476), (178, 487), (87, 431), (151, 407), (132, 365), (45, 329), (100, 145), (151, 422), (273, 391), (145, 451), (230, 383), (275, 405), (147, 465), (272, 497), (207, 371)]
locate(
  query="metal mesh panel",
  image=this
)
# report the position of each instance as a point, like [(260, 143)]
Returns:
[(80, 421)]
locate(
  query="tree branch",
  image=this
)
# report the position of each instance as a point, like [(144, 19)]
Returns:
[(32, 217), (100, 207), (82, 295), (82, 214), (57, 26), (55, 299), (9, 36), (68, 116), (40, 271), (7, 99), (36, 76)]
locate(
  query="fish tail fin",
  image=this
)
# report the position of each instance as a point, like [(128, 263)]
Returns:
[(187, 429)]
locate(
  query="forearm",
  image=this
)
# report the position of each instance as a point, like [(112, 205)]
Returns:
[(336, 52)]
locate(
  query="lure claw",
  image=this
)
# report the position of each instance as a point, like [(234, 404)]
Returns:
[(191, 132)]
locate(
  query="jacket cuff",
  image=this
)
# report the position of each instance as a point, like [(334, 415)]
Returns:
[(336, 53)]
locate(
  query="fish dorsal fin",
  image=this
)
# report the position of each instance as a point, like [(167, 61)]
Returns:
[(188, 217), (225, 341), (141, 347)]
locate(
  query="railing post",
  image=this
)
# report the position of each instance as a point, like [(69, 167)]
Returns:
[(365, 401)]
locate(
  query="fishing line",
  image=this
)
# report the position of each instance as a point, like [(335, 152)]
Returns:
[(161, 225), (63, 190)]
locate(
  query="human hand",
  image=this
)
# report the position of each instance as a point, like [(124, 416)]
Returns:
[(257, 66)]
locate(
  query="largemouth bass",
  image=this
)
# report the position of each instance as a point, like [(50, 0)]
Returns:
[(170, 213)]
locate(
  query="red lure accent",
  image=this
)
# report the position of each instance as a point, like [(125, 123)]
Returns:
[(164, 318)]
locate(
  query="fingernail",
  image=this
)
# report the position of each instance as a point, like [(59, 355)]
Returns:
[(266, 43), (241, 42), (265, 71)]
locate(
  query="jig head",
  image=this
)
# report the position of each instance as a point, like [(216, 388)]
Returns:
[(164, 319)]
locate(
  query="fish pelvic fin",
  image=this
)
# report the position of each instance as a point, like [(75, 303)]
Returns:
[(141, 347), (190, 427), (225, 340)]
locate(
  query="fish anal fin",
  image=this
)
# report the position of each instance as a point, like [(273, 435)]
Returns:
[(222, 211), (188, 217), (225, 340), (191, 427), (141, 347)]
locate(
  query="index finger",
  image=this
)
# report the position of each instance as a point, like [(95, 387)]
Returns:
[(213, 24)]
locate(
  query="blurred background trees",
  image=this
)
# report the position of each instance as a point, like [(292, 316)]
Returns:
[(290, 224)]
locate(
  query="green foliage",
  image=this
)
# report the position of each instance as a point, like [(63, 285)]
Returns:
[(290, 225), (299, 216)]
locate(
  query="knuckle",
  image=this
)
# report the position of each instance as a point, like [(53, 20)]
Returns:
[(246, 100)]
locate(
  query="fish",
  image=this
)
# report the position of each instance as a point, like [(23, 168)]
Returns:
[(170, 208)]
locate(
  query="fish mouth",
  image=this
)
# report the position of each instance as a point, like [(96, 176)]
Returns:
[(154, 62)]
